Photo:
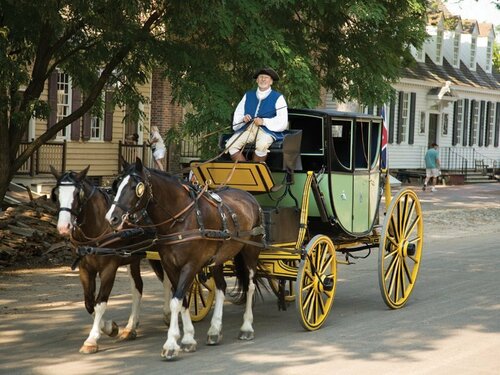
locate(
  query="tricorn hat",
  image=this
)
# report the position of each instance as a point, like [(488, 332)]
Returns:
[(267, 71)]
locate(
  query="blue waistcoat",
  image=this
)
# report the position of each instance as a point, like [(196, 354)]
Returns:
[(267, 109)]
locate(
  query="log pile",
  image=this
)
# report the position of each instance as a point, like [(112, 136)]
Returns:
[(28, 235)]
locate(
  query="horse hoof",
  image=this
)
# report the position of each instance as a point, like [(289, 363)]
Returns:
[(114, 330), (127, 335), (170, 354), (246, 335), (188, 348), (89, 349), (214, 339)]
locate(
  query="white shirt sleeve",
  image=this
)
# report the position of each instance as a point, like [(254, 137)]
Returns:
[(239, 113), (278, 123)]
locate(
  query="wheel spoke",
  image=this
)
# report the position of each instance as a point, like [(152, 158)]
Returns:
[(407, 272), (392, 264), (308, 299), (393, 241), (324, 266), (393, 276), (390, 254)]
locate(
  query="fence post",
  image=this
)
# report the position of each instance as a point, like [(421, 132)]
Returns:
[(65, 148), (119, 155)]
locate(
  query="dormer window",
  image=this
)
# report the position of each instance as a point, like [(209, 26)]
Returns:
[(489, 51), (420, 54), (456, 49), (439, 46), (473, 49)]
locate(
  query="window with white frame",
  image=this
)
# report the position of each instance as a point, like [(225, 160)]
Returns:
[(63, 102), (491, 124), (489, 51), (405, 116), (473, 48), (439, 46), (97, 125), (444, 124), (460, 120), (474, 125), (456, 49)]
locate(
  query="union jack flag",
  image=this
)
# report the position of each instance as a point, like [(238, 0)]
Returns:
[(383, 148)]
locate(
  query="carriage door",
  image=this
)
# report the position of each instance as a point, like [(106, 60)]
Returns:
[(361, 177)]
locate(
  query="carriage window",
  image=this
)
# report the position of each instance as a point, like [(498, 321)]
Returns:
[(341, 144), (362, 144), (312, 132)]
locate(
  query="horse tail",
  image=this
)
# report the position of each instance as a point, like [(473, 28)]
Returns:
[(157, 268), (239, 294)]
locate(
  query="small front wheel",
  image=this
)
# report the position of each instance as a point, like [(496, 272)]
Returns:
[(316, 282), (201, 296)]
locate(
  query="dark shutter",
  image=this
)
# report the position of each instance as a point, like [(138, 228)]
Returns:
[(465, 122), (480, 140), (487, 130), (108, 116), (455, 124), (76, 102), (392, 113), (86, 126), (52, 99), (411, 126), (497, 125), (473, 105), (399, 136)]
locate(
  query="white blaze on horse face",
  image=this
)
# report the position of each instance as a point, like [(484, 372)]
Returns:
[(66, 197), (111, 210)]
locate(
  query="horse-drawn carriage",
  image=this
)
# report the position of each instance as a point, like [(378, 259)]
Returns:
[(336, 157), (271, 225)]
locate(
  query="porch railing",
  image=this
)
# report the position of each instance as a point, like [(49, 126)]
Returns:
[(50, 153), (130, 152)]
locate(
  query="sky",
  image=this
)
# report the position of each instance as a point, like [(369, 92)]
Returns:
[(481, 10)]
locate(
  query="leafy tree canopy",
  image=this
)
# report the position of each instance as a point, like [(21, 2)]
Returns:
[(208, 49)]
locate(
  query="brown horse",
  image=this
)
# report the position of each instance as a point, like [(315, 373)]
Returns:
[(82, 208), (194, 229)]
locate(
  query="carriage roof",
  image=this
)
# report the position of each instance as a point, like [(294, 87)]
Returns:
[(333, 113)]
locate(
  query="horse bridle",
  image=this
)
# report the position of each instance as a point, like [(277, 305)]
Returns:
[(143, 184), (68, 180)]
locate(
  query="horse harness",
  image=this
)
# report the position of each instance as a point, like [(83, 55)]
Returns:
[(138, 213)]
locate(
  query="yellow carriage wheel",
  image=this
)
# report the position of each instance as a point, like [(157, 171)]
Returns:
[(201, 296), (400, 248), (316, 282)]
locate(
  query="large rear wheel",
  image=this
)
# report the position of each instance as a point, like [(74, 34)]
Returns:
[(400, 249), (316, 282)]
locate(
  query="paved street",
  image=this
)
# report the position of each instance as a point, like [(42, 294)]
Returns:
[(450, 324)]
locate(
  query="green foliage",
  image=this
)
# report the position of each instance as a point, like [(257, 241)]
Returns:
[(496, 57), (208, 50)]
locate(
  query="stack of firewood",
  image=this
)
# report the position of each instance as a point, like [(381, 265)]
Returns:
[(28, 235)]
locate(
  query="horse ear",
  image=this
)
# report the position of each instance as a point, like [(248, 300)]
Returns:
[(124, 163), (138, 164), (56, 174), (80, 176)]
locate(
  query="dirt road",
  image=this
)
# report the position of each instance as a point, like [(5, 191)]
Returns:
[(451, 323)]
